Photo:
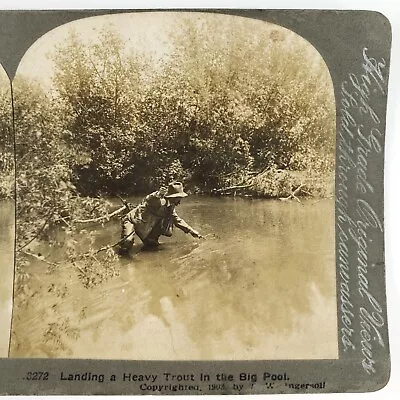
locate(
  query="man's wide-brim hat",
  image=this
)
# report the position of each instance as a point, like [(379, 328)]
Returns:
[(175, 189)]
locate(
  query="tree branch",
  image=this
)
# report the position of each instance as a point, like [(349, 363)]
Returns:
[(38, 232), (233, 188), (124, 202), (38, 258), (101, 218), (109, 246), (293, 194)]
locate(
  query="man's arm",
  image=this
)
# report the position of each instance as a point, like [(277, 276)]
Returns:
[(184, 226)]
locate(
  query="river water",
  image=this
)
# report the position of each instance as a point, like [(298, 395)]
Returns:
[(260, 285), (7, 272)]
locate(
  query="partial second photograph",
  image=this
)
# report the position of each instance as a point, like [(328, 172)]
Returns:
[(174, 194), (7, 216)]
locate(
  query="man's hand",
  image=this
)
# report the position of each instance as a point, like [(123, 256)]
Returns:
[(196, 234)]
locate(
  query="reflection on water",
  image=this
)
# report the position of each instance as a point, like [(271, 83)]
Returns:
[(7, 272), (261, 285)]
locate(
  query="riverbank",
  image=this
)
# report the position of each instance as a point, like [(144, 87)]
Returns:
[(281, 184)]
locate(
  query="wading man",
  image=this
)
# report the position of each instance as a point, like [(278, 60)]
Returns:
[(153, 217)]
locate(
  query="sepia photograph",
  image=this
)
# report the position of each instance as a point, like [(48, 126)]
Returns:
[(173, 181)]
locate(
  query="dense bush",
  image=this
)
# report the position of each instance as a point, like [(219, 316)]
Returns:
[(222, 102), (44, 170)]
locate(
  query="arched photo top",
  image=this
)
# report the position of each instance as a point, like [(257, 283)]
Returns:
[(157, 35)]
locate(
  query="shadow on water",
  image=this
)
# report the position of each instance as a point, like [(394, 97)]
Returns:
[(261, 285)]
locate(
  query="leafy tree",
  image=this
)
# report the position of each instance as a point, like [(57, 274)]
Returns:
[(99, 86), (225, 101), (45, 192), (6, 138)]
